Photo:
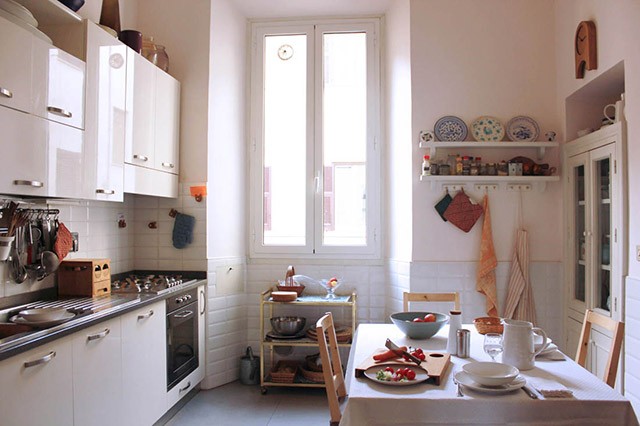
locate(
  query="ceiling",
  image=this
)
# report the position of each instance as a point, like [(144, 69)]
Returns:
[(262, 9)]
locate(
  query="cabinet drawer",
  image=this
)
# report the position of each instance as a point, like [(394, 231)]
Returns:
[(15, 66)]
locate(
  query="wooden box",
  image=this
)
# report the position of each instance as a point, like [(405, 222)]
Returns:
[(84, 277)]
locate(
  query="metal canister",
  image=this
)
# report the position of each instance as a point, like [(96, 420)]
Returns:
[(463, 341)]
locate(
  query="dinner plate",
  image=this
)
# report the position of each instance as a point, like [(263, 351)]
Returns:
[(450, 129), (487, 129), (274, 335), (466, 380), (522, 129), (33, 30), (42, 324), (19, 11), (372, 372)]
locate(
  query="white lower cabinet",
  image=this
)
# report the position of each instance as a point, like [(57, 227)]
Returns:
[(36, 386), (144, 367), (97, 375)]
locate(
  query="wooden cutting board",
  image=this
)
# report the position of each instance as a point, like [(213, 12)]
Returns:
[(435, 364)]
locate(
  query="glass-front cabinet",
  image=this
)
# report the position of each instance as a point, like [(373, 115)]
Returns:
[(594, 250)]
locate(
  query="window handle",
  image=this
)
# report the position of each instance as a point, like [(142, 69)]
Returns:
[(317, 182)]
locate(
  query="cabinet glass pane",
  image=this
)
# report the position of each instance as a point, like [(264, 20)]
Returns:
[(603, 249), (580, 243)]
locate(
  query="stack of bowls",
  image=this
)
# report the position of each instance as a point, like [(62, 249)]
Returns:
[(21, 16)]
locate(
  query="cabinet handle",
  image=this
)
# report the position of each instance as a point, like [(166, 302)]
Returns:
[(140, 157), (34, 183), (185, 314), (48, 357), (105, 191), (97, 336), (145, 316), (59, 111), (6, 93), (185, 388), (169, 165), (204, 302)]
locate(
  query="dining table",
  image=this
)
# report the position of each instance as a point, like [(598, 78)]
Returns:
[(372, 403)]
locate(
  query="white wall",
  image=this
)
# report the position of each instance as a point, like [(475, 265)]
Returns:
[(469, 59), (398, 176)]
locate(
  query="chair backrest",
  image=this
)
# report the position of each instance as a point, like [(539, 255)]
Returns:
[(331, 366), (430, 297), (617, 328)]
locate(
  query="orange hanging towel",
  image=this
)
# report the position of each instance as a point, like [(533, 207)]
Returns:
[(486, 279)]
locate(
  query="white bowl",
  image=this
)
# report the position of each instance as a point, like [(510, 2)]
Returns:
[(43, 314), (491, 373), (19, 11)]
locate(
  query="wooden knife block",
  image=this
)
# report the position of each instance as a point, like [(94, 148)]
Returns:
[(84, 277)]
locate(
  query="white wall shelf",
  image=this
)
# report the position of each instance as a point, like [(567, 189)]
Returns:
[(51, 12), (510, 183), (539, 146)]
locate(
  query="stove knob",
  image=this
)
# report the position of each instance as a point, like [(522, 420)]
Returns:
[(179, 300), (188, 296)]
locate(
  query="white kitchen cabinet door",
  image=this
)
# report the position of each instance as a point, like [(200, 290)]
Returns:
[(36, 386), (144, 367), (65, 160), (97, 375), (167, 119), (140, 111), (24, 152), (105, 115), (15, 66), (57, 85)]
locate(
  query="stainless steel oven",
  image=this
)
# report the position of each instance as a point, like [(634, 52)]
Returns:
[(182, 336)]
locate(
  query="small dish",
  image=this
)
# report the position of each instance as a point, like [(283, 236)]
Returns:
[(371, 373), (468, 382), (491, 373), (427, 136)]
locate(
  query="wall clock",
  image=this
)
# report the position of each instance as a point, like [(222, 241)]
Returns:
[(585, 48)]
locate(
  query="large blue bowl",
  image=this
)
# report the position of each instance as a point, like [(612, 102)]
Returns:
[(418, 330)]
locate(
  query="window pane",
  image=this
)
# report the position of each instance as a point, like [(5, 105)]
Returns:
[(285, 122), (344, 130)]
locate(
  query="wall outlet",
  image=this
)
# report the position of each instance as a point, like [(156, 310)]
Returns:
[(638, 253)]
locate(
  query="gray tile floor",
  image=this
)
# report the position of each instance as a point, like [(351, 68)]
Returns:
[(237, 404)]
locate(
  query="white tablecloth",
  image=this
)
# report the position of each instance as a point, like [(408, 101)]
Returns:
[(369, 403)]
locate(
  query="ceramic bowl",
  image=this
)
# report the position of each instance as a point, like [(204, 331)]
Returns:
[(418, 330), (43, 314), (288, 326), (491, 373)]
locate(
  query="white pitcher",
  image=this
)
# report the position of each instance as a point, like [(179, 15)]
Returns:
[(518, 344)]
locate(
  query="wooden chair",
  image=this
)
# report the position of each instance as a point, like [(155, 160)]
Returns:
[(617, 328), (430, 297), (331, 366)]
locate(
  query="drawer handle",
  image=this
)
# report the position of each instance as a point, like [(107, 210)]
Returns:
[(6, 93), (34, 183), (169, 165), (140, 157), (100, 335), (145, 316), (48, 357), (204, 302), (105, 191), (185, 314), (185, 388), (59, 111)]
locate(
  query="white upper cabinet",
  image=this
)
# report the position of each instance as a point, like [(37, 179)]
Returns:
[(141, 108), (105, 115), (167, 120), (65, 160), (15, 65)]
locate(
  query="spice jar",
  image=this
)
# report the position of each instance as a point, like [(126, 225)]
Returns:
[(466, 165), (491, 169), (426, 166), (451, 161), (444, 169), (474, 169), (149, 50), (162, 59), (459, 166), (503, 169), (435, 167), (483, 169)]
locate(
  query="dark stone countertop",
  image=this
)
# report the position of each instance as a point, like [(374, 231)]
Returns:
[(15, 345)]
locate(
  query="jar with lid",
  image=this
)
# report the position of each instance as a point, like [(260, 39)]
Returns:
[(491, 169), (466, 165), (474, 170), (483, 169), (451, 161), (162, 59), (459, 166), (503, 169), (435, 167), (426, 166), (444, 169), (149, 50)]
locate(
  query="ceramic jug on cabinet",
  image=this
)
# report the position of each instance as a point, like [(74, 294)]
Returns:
[(518, 344)]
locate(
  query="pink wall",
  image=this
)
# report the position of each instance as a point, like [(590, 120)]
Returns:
[(470, 59)]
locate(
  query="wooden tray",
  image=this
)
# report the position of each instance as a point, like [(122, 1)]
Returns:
[(435, 365)]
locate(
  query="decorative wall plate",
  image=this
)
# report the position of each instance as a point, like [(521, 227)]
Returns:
[(522, 129), (450, 129), (487, 129), (426, 136)]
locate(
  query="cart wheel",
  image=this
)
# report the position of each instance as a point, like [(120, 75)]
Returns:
[(263, 390)]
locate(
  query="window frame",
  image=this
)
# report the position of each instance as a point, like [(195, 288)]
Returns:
[(313, 249)]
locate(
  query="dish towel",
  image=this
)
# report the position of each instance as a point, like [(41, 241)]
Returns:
[(486, 278), (520, 304), (183, 230), (549, 388)]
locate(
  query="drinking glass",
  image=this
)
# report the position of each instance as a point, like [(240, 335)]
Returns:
[(493, 345)]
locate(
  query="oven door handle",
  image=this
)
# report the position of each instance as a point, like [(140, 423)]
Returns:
[(185, 314)]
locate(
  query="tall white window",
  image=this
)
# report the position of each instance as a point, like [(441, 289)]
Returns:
[(315, 166)]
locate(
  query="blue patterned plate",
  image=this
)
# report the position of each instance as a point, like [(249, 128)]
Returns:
[(450, 129), (487, 129), (522, 129)]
